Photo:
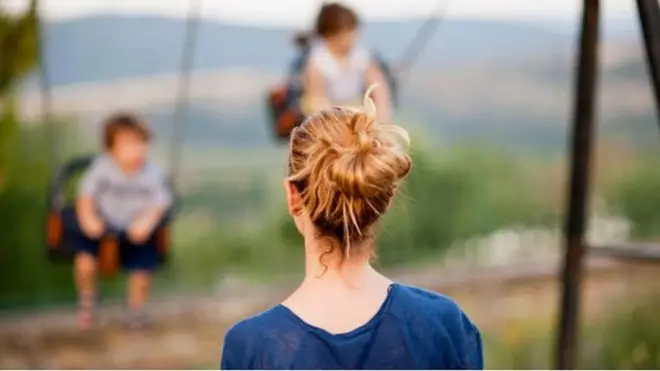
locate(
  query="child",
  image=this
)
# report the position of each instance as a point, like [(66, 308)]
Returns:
[(339, 70), (122, 191)]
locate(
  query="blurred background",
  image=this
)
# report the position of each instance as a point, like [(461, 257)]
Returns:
[(488, 104)]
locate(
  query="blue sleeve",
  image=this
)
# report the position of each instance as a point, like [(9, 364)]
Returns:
[(230, 360), (235, 351), (461, 338), (471, 348)]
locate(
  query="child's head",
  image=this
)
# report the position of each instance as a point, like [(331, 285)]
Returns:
[(344, 170), (126, 138), (337, 25)]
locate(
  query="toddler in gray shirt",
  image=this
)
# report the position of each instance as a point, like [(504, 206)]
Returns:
[(124, 193)]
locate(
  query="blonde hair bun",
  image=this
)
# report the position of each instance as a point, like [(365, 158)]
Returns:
[(349, 167)]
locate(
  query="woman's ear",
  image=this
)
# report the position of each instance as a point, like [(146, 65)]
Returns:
[(293, 198)]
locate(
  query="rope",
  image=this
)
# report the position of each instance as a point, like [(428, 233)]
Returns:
[(45, 90), (183, 90), (421, 40)]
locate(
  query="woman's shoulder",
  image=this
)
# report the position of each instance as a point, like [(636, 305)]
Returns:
[(426, 300), (443, 324), (431, 309), (251, 328), (257, 335), (243, 340)]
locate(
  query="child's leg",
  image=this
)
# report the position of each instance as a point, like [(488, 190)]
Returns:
[(140, 261), (138, 289), (84, 269), (85, 278)]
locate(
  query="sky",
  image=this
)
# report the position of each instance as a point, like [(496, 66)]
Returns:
[(298, 13)]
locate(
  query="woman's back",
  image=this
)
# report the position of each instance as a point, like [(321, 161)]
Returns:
[(413, 329)]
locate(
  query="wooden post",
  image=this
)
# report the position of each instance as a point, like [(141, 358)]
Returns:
[(576, 216)]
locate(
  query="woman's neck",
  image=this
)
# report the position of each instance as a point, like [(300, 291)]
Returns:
[(352, 270)]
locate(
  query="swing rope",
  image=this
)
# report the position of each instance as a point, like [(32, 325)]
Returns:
[(420, 41), (183, 89), (45, 92)]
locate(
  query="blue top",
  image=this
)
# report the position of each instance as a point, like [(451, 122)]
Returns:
[(414, 329)]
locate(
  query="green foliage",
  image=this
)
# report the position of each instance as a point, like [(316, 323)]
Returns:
[(8, 142), (19, 46), (628, 339), (637, 197), (26, 276), (451, 195), (520, 346), (456, 194)]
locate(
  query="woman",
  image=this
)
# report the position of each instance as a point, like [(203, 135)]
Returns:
[(339, 69), (344, 170)]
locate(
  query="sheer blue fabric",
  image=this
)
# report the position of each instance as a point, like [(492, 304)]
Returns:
[(414, 329)]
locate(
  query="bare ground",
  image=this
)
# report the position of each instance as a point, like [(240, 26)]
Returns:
[(188, 331)]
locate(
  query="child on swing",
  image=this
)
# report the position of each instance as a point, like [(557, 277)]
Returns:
[(339, 69), (121, 191)]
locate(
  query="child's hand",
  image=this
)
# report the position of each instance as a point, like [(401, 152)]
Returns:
[(144, 226), (139, 232), (93, 227)]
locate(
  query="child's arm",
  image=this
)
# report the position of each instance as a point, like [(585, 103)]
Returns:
[(381, 95), (315, 98), (90, 222), (144, 226)]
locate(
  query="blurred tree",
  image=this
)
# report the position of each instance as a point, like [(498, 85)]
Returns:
[(635, 195), (25, 278), (19, 48)]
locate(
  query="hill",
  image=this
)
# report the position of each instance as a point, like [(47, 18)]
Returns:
[(503, 82), (112, 47)]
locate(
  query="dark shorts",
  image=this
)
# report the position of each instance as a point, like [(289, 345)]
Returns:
[(133, 257)]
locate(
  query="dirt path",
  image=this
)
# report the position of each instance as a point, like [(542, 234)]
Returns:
[(188, 331)]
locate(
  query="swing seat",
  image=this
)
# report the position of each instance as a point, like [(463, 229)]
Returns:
[(284, 111), (61, 224), (284, 101)]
